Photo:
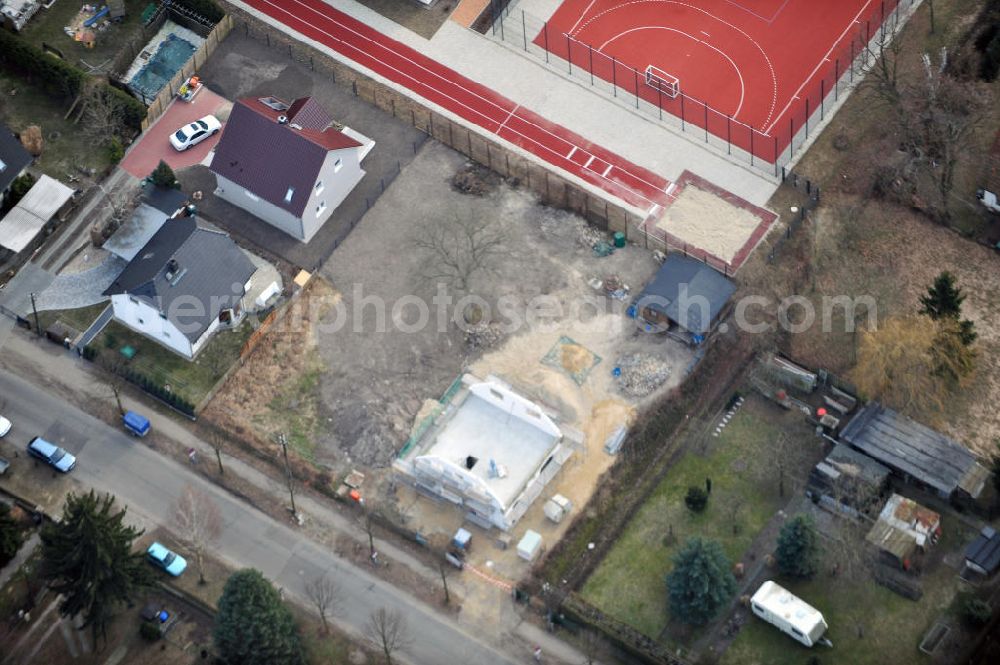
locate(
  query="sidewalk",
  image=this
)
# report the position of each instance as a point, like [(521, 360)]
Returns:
[(24, 353)]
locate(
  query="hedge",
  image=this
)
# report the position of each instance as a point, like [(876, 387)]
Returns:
[(56, 76), (206, 8)]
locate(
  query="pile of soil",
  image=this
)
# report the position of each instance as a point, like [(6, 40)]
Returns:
[(475, 180)]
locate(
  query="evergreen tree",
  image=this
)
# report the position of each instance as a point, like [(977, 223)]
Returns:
[(701, 581), (163, 176), (11, 535), (943, 302), (798, 553), (87, 557), (253, 627)]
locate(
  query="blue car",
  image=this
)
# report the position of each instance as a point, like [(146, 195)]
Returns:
[(161, 557), (51, 454)]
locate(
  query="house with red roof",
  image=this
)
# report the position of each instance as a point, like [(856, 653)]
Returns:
[(287, 163)]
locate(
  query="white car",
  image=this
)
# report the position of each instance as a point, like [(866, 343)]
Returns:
[(4, 427), (195, 132)]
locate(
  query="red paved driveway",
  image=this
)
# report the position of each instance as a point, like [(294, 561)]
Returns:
[(154, 145)]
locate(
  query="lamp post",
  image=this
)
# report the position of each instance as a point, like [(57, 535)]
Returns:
[(288, 472)]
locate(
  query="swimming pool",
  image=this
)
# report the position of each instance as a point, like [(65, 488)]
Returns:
[(161, 66)]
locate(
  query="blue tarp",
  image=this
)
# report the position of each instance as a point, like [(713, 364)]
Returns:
[(136, 423)]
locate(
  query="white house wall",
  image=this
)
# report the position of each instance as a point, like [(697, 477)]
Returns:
[(229, 191), (145, 319), (337, 182)]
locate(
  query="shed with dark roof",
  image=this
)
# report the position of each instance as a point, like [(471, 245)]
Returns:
[(983, 554), (686, 297)]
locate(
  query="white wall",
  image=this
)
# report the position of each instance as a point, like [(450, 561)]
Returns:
[(340, 173), (229, 191), (142, 318)]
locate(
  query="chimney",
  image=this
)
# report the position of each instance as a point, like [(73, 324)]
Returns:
[(171, 269)]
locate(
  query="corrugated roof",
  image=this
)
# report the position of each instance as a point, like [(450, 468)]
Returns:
[(887, 537), (272, 159), (912, 448), (13, 157), (209, 275), (684, 289), (27, 219)]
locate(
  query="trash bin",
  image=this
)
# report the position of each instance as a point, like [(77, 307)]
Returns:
[(619, 239)]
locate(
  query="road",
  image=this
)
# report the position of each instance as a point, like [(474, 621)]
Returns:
[(149, 484)]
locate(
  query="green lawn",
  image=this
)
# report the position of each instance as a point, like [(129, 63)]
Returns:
[(893, 625), (47, 27), (191, 380), (64, 145), (295, 409), (79, 318), (629, 584)]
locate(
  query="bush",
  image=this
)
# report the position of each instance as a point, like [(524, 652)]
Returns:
[(150, 631), (163, 176), (206, 8), (115, 150), (20, 187), (56, 76), (976, 612), (798, 552), (133, 112), (696, 499)]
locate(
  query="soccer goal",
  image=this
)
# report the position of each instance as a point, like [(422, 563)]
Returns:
[(667, 84)]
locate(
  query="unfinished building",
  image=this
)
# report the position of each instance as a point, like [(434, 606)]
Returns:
[(489, 451)]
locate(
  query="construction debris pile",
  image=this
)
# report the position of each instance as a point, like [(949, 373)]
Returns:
[(484, 335), (639, 374)]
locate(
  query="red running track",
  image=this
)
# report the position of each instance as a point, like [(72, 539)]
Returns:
[(469, 100)]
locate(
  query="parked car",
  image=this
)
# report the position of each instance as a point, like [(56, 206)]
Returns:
[(51, 454), (136, 423), (195, 132), (4, 427), (161, 557)]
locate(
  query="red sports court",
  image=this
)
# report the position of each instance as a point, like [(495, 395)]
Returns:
[(748, 71)]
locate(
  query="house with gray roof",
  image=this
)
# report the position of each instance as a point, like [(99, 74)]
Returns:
[(685, 299), (915, 452), (186, 283), (287, 163)]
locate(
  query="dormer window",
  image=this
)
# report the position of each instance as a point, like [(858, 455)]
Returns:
[(289, 194)]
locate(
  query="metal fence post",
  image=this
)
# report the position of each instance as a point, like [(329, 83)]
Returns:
[(635, 73), (682, 113), (524, 30), (591, 50), (729, 134), (614, 76), (706, 121), (836, 79), (545, 37), (569, 54)]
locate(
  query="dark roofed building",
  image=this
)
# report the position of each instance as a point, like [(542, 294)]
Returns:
[(686, 298), (915, 451), (14, 160), (182, 285), (983, 554), (848, 479), (286, 163)]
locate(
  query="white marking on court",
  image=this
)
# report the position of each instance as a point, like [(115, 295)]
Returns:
[(509, 116), (607, 171), (582, 14), (767, 60), (705, 33), (671, 188), (587, 165), (739, 75), (816, 68), (572, 152), (424, 84), (755, 14)]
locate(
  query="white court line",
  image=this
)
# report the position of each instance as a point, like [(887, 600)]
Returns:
[(755, 14), (419, 66), (582, 14), (767, 60), (816, 68), (607, 171), (571, 153), (587, 165), (739, 75), (509, 116)]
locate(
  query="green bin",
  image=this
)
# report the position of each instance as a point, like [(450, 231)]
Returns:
[(619, 239)]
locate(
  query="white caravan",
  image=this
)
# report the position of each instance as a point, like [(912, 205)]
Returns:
[(790, 614)]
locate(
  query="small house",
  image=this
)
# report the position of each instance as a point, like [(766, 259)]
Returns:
[(23, 229), (983, 554), (686, 299), (286, 163), (903, 530), (848, 481), (790, 614)]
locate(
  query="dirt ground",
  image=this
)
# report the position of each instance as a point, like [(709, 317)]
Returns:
[(378, 377)]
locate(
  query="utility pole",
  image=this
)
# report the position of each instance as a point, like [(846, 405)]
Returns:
[(283, 440), (38, 326)]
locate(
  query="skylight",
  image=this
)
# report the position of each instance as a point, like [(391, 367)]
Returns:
[(288, 194)]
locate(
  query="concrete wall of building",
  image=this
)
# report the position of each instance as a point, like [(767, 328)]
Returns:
[(242, 198), (145, 319), (340, 173)]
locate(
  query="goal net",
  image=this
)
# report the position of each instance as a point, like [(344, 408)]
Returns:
[(666, 83)]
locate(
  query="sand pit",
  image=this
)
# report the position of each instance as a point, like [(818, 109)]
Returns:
[(709, 222)]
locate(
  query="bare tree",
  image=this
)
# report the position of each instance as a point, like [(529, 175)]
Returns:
[(198, 523), (326, 596), (216, 442), (102, 117), (387, 629), (593, 646), (368, 524), (458, 248)]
